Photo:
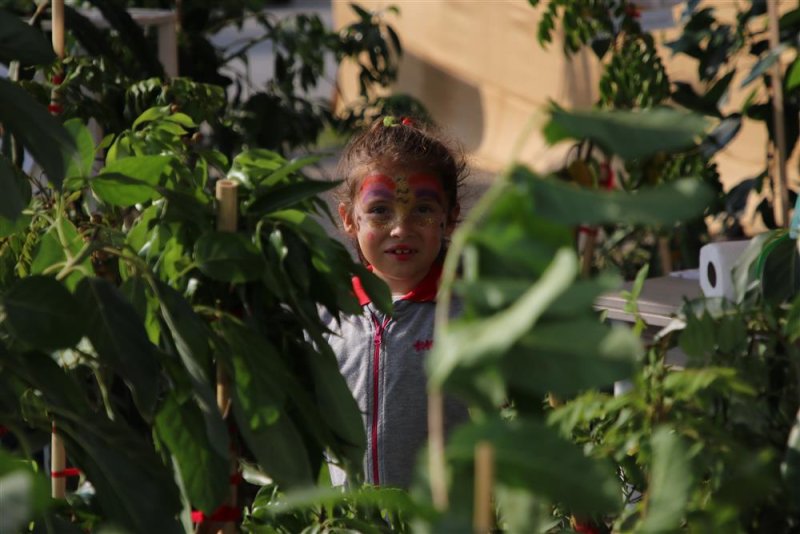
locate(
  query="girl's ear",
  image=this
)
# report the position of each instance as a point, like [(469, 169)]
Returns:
[(452, 219), (347, 219)]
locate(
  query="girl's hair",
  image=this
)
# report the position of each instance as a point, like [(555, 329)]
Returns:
[(402, 143)]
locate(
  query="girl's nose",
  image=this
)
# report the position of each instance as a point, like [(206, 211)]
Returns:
[(400, 226)]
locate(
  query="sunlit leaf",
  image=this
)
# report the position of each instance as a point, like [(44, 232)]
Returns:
[(664, 204), (469, 342), (629, 134)]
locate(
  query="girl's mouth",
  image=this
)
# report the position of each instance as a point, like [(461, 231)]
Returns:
[(401, 253)]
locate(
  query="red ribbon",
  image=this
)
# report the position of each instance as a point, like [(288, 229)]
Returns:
[(223, 514), (58, 79), (66, 473), (55, 108), (587, 230), (236, 479), (3, 431)]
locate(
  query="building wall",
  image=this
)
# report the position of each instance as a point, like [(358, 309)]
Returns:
[(479, 69)]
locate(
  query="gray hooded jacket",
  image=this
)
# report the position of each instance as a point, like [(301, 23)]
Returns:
[(382, 360)]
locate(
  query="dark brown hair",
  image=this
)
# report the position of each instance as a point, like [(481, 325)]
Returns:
[(402, 143)]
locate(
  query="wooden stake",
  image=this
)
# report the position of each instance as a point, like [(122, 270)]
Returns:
[(484, 480), (781, 207), (57, 27), (665, 254), (227, 221), (58, 462), (58, 456), (587, 252), (436, 461)]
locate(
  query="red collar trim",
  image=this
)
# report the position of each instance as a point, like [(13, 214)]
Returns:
[(424, 292)]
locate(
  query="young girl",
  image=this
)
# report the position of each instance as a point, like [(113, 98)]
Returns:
[(399, 202)]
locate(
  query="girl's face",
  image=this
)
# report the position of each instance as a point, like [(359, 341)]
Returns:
[(400, 220)]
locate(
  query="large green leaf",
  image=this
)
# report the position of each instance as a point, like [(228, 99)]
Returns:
[(663, 204), (629, 134), (530, 455), (338, 408), (671, 481), (50, 251), (376, 288), (286, 195), (261, 379), (41, 312), (22, 42), (228, 257), (469, 342), (119, 337), (191, 340), (129, 181), (780, 269), (134, 488), (553, 359), (81, 165), (12, 201), (204, 470), (38, 131), (23, 491)]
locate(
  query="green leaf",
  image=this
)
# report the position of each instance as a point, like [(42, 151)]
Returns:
[(258, 373), (119, 337), (288, 169), (22, 42), (780, 273), (790, 467), (12, 201), (664, 204), (670, 484), (546, 464), (376, 288), (338, 408), (762, 65), (116, 460), (23, 492), (286, 195), (228, 257), (38, 131), (42, 313), (629, 134), (553, 359), (9, 227), (204, 470), (467, 343), (81, 164), (151, 114), (793, 76), (129, 181), (50, 251)]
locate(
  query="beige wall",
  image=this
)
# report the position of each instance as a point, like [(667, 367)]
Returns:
[(478, 68)]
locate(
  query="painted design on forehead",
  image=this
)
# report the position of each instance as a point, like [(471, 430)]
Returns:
[(426, 185), (377, 185), (403, 192)]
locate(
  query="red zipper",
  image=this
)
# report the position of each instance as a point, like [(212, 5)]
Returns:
[(376, 360)]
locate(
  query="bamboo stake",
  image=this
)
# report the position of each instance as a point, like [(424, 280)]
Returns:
[(587, 253), (484, 480), (781, 207), (227, 220), (57, 27), (58, 455), (665, 255), (58, 462), (436, 460)]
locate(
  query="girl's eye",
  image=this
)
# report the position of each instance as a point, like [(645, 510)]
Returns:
[(378, 210)]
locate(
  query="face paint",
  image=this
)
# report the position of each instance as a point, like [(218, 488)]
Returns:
[(388, 201)]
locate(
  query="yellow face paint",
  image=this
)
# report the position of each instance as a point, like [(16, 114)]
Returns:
[(390, 201)]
